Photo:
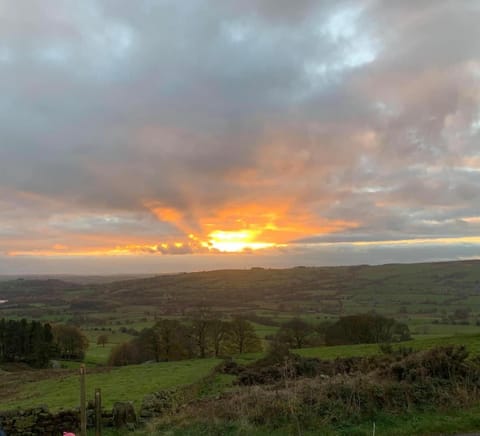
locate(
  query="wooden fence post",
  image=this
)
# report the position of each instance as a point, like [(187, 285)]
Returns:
[(98, 412), (83, 402)]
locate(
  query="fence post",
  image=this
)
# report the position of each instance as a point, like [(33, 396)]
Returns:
[(83, 402), (98, 412)]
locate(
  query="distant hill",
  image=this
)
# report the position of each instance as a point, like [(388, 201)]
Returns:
[(394, 288), (334, 289), (27, 290), (78, 279)]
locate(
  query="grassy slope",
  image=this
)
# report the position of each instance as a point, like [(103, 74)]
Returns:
[(129, 383), (472, 342), (133, 382), (420, 288), (439, 423), (98, 354)]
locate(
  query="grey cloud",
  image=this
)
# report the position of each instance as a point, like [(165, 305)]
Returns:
[(108, 104)]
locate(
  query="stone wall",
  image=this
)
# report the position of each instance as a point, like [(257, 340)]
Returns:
[(41, 422), (171, 400)]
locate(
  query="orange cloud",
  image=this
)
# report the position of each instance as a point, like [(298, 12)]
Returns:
[(121, 250), (168, 214), (240, 226), (235, 227)]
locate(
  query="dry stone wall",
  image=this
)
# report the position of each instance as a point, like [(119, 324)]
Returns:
[(41, 422)]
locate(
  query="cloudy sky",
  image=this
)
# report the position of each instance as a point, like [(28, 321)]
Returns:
[(166, 135)]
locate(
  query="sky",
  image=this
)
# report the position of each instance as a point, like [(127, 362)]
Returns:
[(163, 135)]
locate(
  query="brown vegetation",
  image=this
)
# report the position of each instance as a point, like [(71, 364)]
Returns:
[(349, 391)]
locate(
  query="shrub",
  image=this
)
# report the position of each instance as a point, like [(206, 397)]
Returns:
[(357, 389)]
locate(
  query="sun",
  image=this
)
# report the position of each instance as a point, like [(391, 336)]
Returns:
[(236, 241)]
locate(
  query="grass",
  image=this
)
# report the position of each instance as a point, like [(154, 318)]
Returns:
[(445, 329), (220, 383), (130, 383), (264, 330), (98, 354), (248, 358), (472, 342), (441, 422), (448, 422)]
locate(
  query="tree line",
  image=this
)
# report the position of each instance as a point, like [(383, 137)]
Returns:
[(36, 343), (28, 342), (353, 329), (203, 336), (366, 329)]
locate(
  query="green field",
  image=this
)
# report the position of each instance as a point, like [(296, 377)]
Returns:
[(98, 354), (131, 383), (472, 342), (59, 389), (427, 423), (417, 293)]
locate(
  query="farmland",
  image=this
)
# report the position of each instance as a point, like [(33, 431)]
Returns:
[(59, 388), (418, 293), (472, 342), (440, 303)]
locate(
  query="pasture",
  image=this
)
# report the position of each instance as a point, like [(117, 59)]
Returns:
[(472, 342), (60, 388)]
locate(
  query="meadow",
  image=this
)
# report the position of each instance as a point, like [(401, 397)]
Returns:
[(60, 388), (472, 342)]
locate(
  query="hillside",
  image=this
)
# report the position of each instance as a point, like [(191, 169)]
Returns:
[(423, 288), (426, 289)]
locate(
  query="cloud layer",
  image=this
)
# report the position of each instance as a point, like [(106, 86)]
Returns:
[(148, 127)]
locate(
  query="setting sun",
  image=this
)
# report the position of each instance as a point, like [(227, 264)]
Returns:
[(236, 241)]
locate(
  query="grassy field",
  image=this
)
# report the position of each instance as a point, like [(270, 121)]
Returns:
[(264, 330), (427, 334), (438, 423), (472, 342), (98, 354), (60, 389)]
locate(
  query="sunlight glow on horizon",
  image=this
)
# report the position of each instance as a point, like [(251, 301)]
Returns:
[(229, 242)]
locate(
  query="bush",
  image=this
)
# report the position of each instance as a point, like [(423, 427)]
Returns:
[(440, 377)]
